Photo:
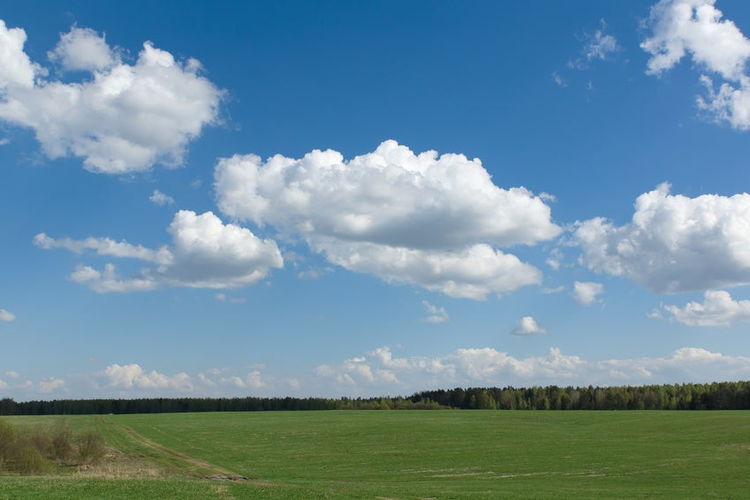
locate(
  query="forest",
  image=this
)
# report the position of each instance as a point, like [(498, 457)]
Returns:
[(713, 396)]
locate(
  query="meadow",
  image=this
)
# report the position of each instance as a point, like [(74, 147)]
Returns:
[(407, 455)]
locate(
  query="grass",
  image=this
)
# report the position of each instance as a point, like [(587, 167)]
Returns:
[(409, 455)]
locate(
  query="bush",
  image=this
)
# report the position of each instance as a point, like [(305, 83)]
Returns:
[(29, 460), (90, 447), (62, 448), (8, 439), (34, 451)]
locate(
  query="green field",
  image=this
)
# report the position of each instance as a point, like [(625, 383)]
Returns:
[(408, 455)]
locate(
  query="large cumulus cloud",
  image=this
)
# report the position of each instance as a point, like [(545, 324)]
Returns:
[(674, 243), (205, 253), (120, 118), (435, 221)]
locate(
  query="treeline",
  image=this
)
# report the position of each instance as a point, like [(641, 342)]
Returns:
[(714, 396)]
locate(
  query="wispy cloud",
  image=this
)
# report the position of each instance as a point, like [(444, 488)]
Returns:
[(436, 315), (598, 46), (161, 199), (7, 316)]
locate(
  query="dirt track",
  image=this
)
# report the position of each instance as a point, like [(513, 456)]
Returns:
[(196, 466)]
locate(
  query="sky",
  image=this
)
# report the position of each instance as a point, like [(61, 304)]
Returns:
[(371, 198)]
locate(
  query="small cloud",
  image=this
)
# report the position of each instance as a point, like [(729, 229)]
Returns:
[(436, 315), (222, 297), (161, 199), (586, 293), (655, 314), (196, 183), (548, 197), (527, 326), (554, 259), (549, 291), (7, 316), (4, 141), (598, 46), (12, 374), (601, 44), (559, 80), (50, 385), (313, 274), (718, 309)]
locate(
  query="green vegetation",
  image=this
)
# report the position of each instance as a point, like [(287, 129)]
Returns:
[(406, 455), (43, 449), (714, 396)]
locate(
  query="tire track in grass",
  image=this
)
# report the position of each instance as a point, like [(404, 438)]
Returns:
[(195, 466)]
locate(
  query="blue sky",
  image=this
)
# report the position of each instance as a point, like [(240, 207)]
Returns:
[(285, 198)]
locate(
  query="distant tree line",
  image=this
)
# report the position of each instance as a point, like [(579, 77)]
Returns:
[(714, 396)]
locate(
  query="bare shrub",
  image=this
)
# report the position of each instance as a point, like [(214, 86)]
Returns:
[(8, 439), (62, 436), (42, 441), (90, 447)]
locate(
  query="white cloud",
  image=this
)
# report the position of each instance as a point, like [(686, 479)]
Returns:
[(695, 27), (728, 104), (7, 316), (436, 314), (205, 254), (313, 273), (134, 377), (380, 373), (12, 374), (16, 69), (586, 293), (554, 259), (122, 118), (527, 326), (674, 243), (425, 219), (600, 45), (107, 246), (83, 49), (51, 385), (222, 297), (718, 309), (559, 80), (159, 198)]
